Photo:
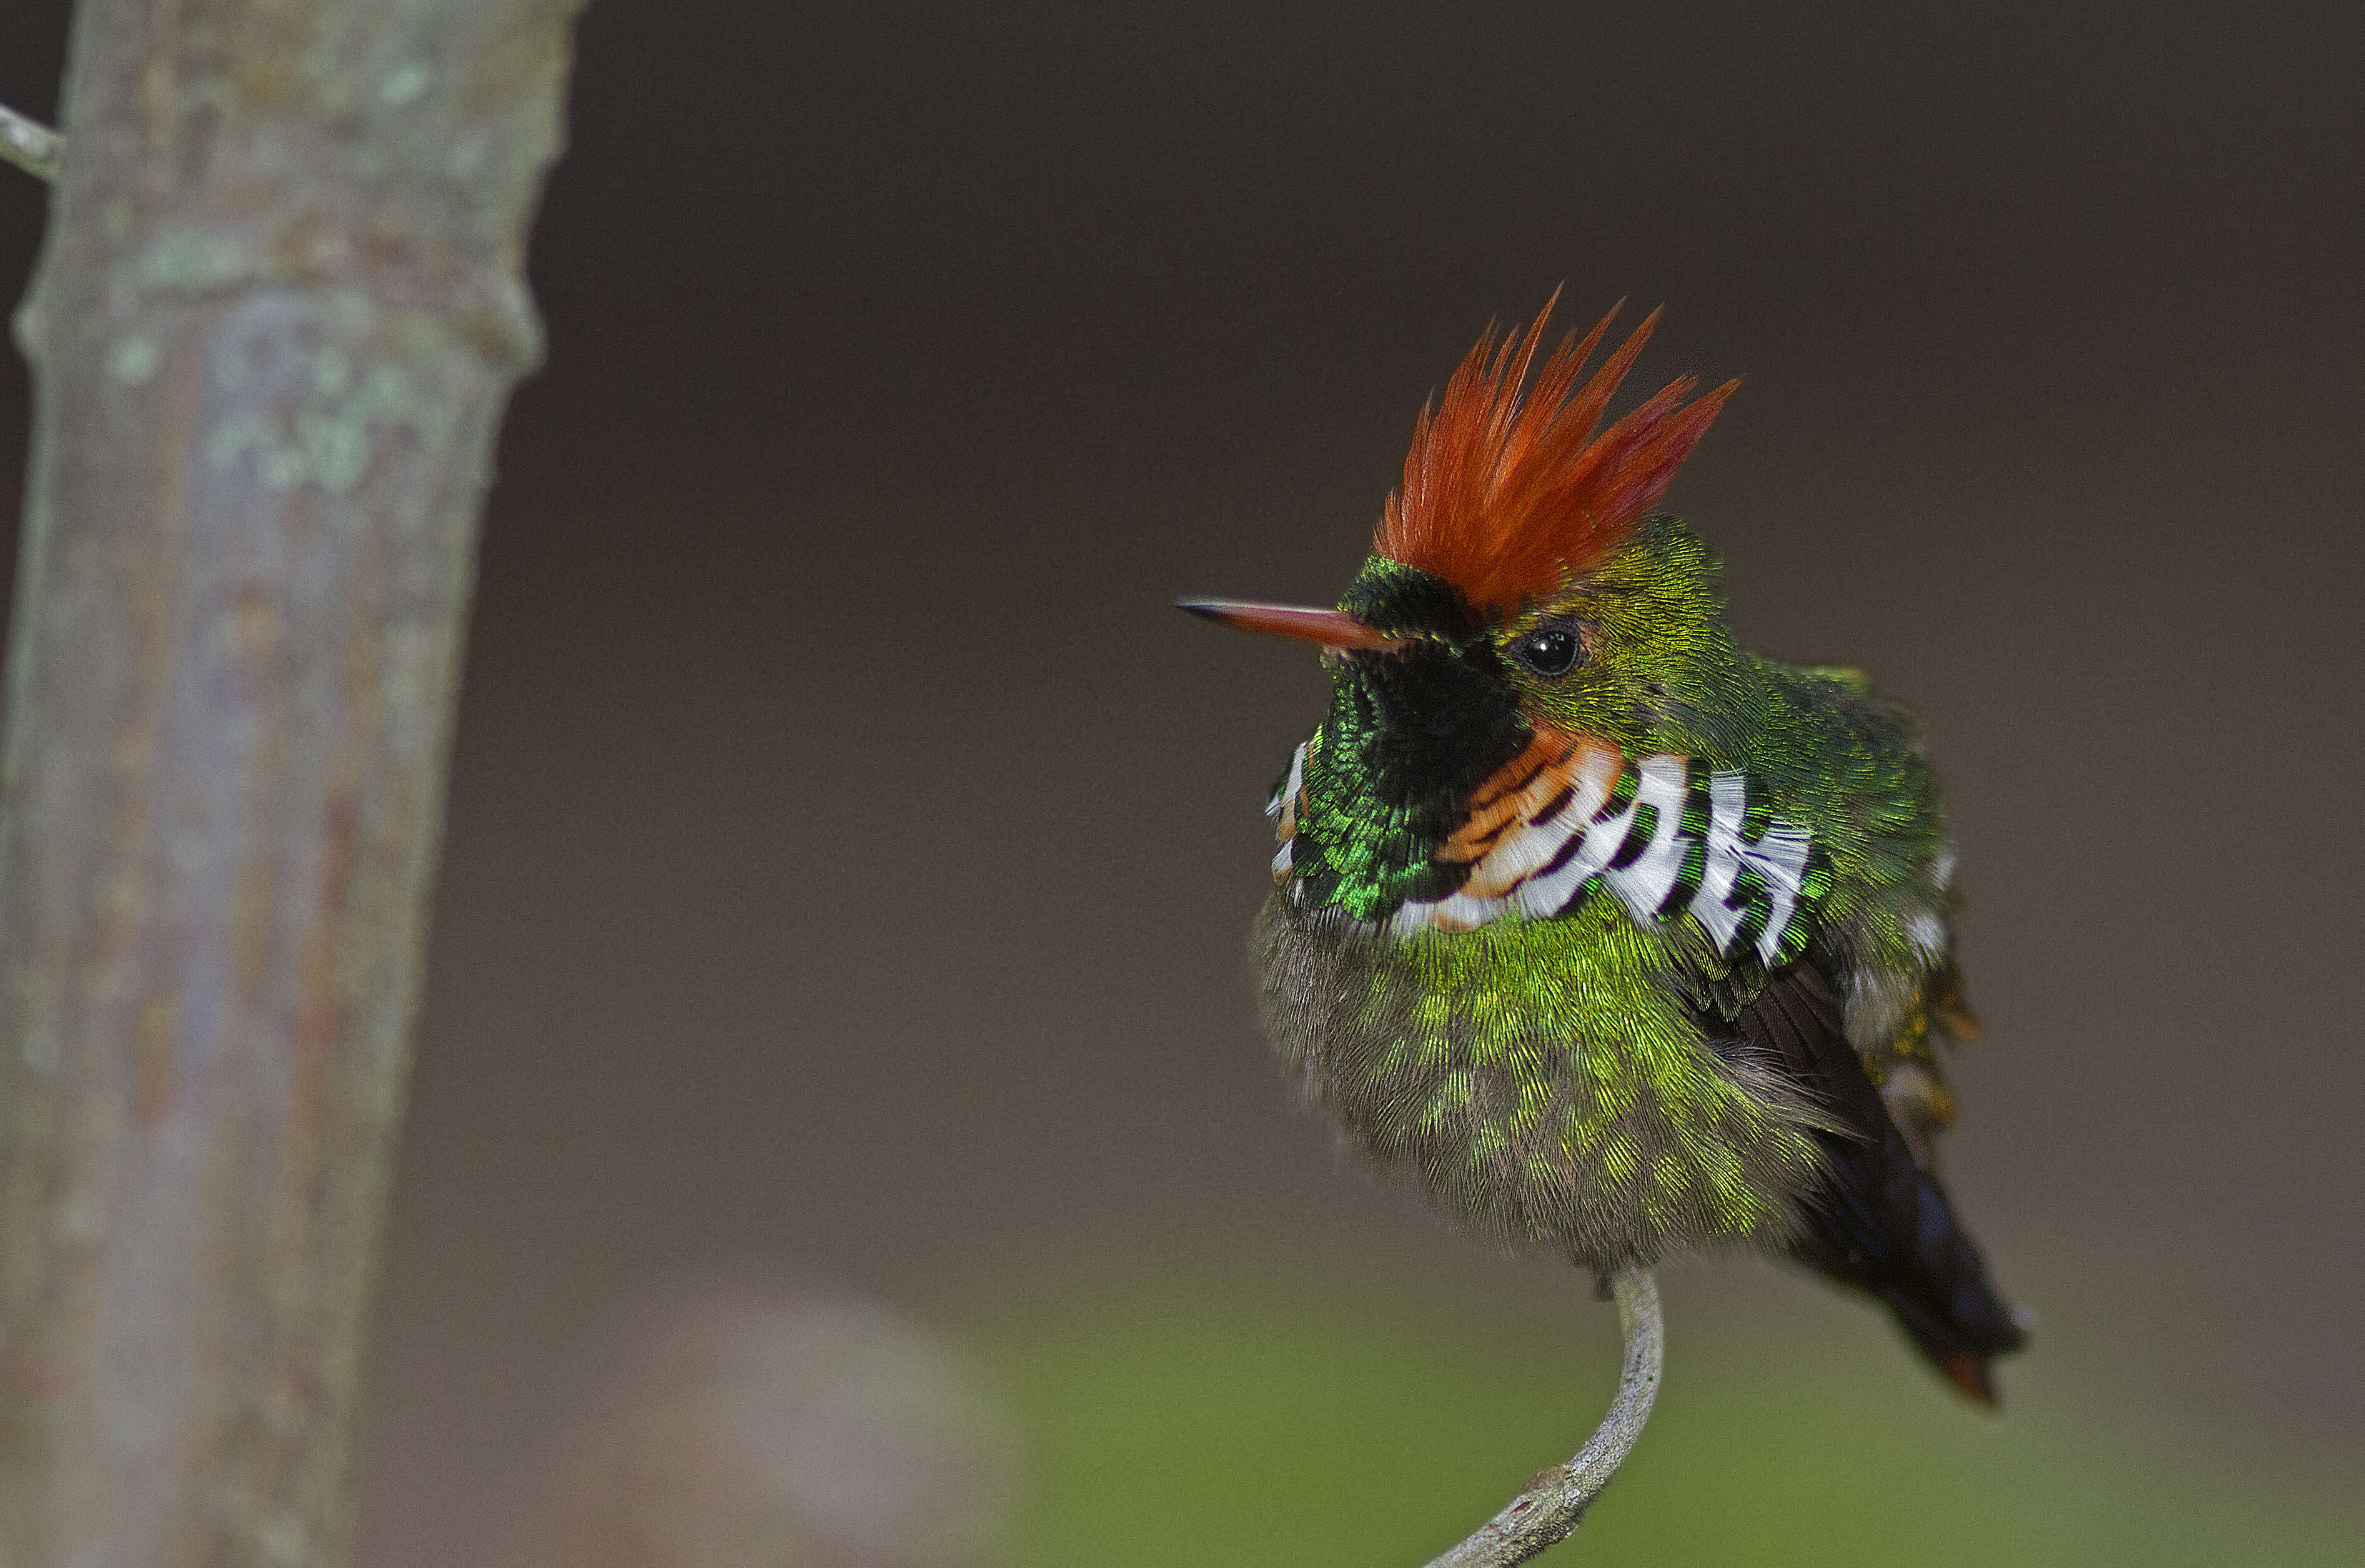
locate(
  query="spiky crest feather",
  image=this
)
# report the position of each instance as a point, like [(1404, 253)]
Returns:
[(1509, 493)]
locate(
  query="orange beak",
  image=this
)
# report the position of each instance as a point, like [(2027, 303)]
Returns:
[(1331, 628)]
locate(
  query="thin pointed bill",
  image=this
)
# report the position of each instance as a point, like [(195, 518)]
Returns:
[(1331, 628)]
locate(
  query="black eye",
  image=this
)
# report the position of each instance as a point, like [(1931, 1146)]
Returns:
[(1549, 650)]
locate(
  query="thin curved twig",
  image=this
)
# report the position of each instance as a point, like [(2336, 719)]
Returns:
[(1546, 1512), (30, 145)]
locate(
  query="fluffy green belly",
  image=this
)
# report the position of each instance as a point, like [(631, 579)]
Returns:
[(1543, 1077)]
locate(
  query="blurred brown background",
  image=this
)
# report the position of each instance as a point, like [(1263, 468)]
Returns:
[(850, 853)]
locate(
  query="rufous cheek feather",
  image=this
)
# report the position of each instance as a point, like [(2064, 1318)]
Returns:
[(1509, 491)]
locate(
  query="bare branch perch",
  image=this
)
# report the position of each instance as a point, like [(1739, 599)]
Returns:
[(30, 145), (1547, 1512), (278, 318)]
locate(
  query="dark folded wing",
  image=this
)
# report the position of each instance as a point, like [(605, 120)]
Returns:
[(1880, 1223)]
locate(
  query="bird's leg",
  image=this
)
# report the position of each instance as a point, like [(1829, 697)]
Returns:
[(1546, 1512)]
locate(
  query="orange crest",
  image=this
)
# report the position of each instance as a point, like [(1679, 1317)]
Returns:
[(1508, 494)]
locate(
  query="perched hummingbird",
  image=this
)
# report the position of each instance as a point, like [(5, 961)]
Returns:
[(1628, 940)]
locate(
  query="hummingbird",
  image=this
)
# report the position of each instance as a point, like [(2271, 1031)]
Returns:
[(1629, 942)]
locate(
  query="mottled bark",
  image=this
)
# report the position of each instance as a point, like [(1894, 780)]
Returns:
[(276, 319)]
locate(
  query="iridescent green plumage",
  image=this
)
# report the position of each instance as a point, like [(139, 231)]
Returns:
[(1551, 1077), (1626, 940)]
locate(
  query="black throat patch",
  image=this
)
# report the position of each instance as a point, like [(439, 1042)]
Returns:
[(1410, 734)]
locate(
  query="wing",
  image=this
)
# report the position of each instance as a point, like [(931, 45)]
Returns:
[(1879, 1223)]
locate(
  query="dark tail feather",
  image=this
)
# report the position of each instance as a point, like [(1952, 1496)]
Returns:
[(1881, 1224), (1926, 1272)]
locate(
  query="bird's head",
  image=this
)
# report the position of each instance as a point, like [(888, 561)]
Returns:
[(1519, 582)]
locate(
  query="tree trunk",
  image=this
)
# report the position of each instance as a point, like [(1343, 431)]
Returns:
[(278, 315)]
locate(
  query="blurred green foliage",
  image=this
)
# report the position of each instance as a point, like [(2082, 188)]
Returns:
[(1185, 1422)]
